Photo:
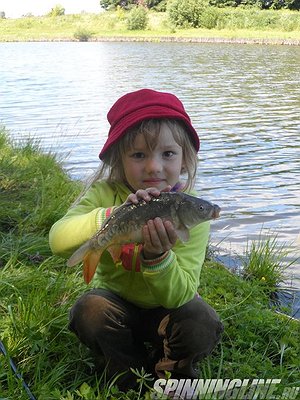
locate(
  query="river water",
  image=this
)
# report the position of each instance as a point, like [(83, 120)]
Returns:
[(244, 101)]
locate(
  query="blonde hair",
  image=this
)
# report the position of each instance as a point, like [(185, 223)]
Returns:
[(112, 169)]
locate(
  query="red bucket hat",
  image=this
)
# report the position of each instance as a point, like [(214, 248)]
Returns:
[(135, 107)]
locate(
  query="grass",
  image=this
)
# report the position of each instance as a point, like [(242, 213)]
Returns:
[(225, 23), (37, 291), (266, 261)]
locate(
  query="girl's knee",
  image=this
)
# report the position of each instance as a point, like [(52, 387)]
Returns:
[(87, 316), (204, 321), (197, 311), (194, 327)]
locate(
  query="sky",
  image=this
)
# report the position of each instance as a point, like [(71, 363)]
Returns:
[(17, 8)]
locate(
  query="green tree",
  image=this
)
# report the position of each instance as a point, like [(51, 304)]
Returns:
[(294, 5), (153, 3), (224, 3), (57, 11), (279, 4), (112, 4), (262, 4), (127, 4), (2, 14), (137, 18), (185, 13), (157, 5)]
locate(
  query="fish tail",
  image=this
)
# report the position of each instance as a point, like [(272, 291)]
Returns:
[(78, 255), (90, 263)]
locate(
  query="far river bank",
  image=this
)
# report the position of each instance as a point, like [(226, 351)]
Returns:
[(228, 25), (170, 39)]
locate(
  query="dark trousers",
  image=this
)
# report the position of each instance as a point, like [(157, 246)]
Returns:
[(117, 329)]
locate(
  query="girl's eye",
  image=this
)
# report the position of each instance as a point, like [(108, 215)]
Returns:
[(138, 155), (168, 154)]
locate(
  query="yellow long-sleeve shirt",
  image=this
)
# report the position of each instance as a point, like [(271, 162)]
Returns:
[(168, 282)]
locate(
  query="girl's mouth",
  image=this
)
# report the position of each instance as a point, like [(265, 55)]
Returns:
[(153, 181)]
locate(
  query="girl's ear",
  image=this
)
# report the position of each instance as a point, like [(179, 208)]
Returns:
[(183, 169)]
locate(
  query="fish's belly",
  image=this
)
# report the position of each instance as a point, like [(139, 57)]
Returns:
[(132, 236)]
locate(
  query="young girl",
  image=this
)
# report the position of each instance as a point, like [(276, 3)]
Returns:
[(144, 311)]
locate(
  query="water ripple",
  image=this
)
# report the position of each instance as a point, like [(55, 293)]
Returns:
[(243, 100)]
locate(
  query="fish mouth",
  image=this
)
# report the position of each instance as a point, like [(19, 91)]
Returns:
[(216, 211)]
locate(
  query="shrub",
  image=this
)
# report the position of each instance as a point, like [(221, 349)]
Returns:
[(83, 35), (185, 13), (137, 18), (289, 22)]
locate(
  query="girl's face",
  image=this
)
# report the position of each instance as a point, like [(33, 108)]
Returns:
[(157, 167)]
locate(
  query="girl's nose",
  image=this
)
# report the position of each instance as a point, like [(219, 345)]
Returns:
[(153, 165)]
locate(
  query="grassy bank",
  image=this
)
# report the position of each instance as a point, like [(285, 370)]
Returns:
[(229, 24), (37, 290)]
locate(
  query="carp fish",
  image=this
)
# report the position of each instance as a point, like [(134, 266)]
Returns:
[(125, 224)]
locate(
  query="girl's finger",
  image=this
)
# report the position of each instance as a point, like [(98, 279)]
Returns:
[(172, 235)]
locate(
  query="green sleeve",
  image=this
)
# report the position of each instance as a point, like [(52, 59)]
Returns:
[(174, 279), (82, 221)]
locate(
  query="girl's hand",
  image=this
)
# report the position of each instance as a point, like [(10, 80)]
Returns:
[(159, 237), (145, 194)]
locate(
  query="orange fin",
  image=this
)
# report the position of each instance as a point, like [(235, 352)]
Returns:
[(90, 263), (115, 252)]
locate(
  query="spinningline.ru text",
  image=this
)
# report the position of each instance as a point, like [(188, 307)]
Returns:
[(223, 389)]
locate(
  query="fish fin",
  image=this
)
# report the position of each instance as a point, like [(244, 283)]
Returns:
[(183, 233), (90, 263), (78, 255), (115, 252)]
